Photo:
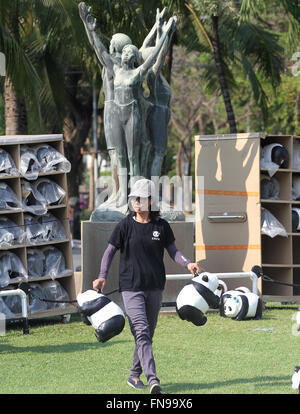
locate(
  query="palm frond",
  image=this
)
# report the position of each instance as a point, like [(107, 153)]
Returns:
[(19, 67), (260, 46), (199, 25), (251, 8), (258, 91)]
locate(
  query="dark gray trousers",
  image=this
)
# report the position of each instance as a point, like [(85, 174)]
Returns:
[(142, 309)]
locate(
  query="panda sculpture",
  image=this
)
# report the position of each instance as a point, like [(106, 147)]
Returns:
[(274, 153), (295, 187), (296, 379), (196, 297), (106, 317), (229, 294), (269, 187), (241, 304), (295, 219)]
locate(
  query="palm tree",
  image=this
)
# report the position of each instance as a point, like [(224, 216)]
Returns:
[(21, 76), (235, 41), (46, 87)]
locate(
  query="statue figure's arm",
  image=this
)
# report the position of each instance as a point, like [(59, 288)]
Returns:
[(149, 38), (90, 26), (164, 50), (152, 57)]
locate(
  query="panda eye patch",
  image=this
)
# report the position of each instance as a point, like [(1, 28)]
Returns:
[(205, 278), (236, 300)]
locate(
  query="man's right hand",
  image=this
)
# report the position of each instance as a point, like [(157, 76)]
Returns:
[(99, 284)]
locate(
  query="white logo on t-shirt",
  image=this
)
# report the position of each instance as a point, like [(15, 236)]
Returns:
[(156, 235)]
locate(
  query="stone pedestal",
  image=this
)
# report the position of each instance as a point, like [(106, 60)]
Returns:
[(95, 238)]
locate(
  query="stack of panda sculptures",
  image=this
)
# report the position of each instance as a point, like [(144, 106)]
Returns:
[(240, 303), (196, 297), (106, 317)]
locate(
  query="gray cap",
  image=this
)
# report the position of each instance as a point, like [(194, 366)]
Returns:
[(143, 188)]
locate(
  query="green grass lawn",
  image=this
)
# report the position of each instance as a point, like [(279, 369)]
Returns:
[(222, 357)]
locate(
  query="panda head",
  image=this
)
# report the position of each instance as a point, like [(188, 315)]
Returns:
[(242, 289), (280, 155), (232, 307), (208, 280)]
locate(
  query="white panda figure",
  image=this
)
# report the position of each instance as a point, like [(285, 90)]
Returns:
[(196, 297), (229, 294), (106, 317), (274, 153), (295, 187), (269, 187), (239, 305), (295, 220), (296, 379)]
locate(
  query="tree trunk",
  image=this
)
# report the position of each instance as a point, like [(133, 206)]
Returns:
[(15, 111), (75, 133), (178, 160), (221, 75), (297, 114)]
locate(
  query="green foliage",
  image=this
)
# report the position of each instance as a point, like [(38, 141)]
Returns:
[(46, 46)]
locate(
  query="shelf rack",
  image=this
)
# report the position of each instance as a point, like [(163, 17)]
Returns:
[(13, 144), (228, 175)]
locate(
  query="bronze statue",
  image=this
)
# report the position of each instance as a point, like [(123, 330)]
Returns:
[(135, 127)]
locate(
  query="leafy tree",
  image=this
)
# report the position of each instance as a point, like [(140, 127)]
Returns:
[(235, 42)]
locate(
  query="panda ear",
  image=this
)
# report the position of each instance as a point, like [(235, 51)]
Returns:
[(205, 278)]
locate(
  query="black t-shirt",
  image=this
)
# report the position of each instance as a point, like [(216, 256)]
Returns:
[(141, 253)]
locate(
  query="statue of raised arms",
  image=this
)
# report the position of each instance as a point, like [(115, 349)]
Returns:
[(126, 112)]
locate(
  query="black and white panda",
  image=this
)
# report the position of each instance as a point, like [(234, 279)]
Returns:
[(197, 297), (295, 187), (269, 187), (229, 294), (295, 219), (274, 153), (296, 379), (241, 304), (106, 317)]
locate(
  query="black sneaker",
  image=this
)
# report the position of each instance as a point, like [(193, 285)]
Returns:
[(137, 384), (155, 388)]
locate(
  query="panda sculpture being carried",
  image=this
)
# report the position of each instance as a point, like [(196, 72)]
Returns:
[(106, 317), (197, 297)]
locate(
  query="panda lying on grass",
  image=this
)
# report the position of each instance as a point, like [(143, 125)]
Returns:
[(240, 303)]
